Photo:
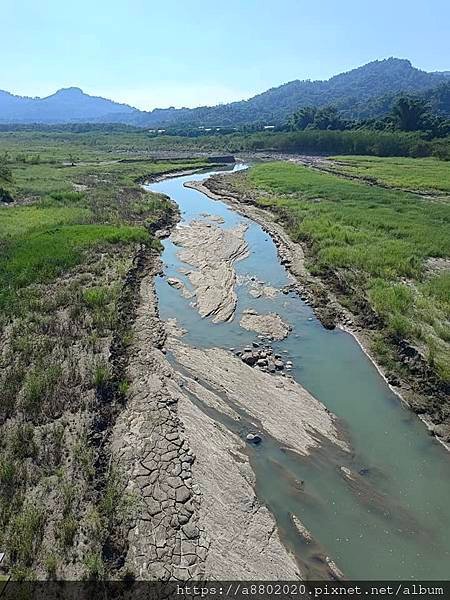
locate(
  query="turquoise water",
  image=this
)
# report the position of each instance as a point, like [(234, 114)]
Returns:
[(394, 523)]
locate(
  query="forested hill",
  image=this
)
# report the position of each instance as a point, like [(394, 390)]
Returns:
[(365, 92), (349, 92)]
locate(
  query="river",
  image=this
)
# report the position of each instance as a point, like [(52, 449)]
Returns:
[(394, 523)]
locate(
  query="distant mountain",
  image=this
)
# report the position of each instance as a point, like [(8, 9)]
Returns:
[(349, 92), (365, 92), (69, 105)]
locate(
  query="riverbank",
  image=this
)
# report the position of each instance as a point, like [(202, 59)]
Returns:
[(76, 241), (414, 387)]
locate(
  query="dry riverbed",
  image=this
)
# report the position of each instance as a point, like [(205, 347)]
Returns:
[(196, 511), (187, 470), (212, 251)]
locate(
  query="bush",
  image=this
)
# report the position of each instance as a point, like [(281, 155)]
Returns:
[(25, 535), (441, 149), (39, 386), (96, 297)]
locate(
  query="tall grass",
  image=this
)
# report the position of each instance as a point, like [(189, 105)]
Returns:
[(350, 224), (412, 173), (42, 255), (380, 238)]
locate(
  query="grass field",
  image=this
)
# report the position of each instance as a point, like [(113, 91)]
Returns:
[(424, 174), (379, 238), (68, 242), (70, 199)]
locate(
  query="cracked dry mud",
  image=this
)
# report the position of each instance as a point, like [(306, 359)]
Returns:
[(196, 512), (165, 540)]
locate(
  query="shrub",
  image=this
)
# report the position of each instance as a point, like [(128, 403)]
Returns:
[(25, 535), (39, 385), (96, 297)]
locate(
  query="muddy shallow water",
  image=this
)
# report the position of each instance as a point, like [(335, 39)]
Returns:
[(390, 518)]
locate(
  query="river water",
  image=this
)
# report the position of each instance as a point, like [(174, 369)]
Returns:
[(394, 522)]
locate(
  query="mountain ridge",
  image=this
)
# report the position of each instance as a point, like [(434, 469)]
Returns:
[(348, 91)]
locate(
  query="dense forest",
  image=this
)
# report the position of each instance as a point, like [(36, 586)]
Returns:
[(408, 113), (366, 92)]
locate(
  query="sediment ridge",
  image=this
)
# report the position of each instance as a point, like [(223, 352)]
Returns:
[(213, 252)]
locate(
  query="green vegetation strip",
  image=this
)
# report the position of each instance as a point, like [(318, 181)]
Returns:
[(420, 174), (94, 144), (379, 238), (74, 193), (42, 255)]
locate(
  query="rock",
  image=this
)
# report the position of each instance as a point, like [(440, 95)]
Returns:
[(214, 278), (183, 518), (279, 364), (253, 438), (249, 358), (269, 325), (174, 282), (191, 531)]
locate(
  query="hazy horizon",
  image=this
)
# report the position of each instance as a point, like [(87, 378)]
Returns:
[(172, 54)]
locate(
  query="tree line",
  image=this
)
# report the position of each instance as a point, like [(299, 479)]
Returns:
[(408, 114)]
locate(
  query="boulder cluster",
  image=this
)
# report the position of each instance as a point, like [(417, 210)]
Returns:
[(263, 357)]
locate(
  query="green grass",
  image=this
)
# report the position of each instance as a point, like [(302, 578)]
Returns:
[(26, 531), (32, 181), (424, 174), (349, 224), (41, 255), (17, 221), (379, 238), (96, 297), (41, 240)]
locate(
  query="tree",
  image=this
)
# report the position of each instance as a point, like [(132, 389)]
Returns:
[(409, 113), (302, 118), (5, 178), (5, 171), (328, 118)]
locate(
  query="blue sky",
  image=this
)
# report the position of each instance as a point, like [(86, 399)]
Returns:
[(187, 53)]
